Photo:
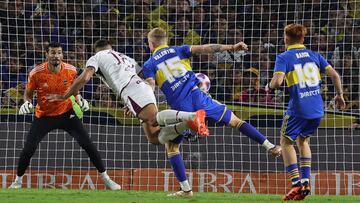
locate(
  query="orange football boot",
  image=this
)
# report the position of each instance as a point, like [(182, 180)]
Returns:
[(198, 125), (304, 191), (295, 190)]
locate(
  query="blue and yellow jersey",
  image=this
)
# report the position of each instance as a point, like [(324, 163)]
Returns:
[(171, 69), (302, 68)]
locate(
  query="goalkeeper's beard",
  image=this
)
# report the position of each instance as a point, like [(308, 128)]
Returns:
[(55, 64)]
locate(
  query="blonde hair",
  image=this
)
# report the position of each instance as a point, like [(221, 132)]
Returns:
[(295, 32), (158, 36)]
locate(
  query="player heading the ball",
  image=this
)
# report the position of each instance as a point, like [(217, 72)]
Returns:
[(169, 67)]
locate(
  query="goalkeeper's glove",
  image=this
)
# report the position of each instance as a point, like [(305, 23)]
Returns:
[(26, 108), (83, 103)]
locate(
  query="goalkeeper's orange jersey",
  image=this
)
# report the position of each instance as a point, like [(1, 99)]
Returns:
[(45, 82)]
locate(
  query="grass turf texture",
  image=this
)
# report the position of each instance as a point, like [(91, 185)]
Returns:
[(89, 196)]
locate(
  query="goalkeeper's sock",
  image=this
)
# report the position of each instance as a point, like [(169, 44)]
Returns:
[(169, 116), (18, 179), (293, 172), (104, 175), (251, 132), (178, 166), (170, 132), (305, 169)]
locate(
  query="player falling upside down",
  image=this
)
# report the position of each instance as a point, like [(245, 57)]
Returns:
[(118, 71), (54, 77), (301, 68), (170, 69)]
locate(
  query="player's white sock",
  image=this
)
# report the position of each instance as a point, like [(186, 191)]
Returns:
[(104, 175), (185, 186), (268, 145), (169, 116), (18, 179), (110, 184), (170, 132)]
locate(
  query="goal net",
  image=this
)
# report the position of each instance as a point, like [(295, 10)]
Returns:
[(226, 161)]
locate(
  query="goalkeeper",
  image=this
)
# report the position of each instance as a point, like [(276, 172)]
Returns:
[(55, 76)]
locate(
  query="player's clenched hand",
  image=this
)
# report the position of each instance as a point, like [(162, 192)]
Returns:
[(83, 103), (340, 102), (54, 97), (240, 46), (26, 108)]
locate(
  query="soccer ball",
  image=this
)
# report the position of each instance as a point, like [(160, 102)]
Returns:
[(205, 83)]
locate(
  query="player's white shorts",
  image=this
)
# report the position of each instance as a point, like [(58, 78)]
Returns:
[(137, 94)]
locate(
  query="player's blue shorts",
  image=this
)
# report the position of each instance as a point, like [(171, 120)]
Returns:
[(292, 127), (216, 113)]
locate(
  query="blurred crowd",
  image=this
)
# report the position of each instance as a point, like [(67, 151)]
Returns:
[(27, 26)]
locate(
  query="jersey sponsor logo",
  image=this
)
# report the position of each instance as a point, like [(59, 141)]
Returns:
[(309, 93), (180, 82)]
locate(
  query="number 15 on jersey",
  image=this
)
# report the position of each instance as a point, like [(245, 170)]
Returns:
[(172, 69)]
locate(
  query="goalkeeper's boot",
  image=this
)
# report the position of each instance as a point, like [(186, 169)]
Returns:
[(110, 184), (181, 193), (198, 125), (275, 151), (305, 191), (15, 185), (295, 190)]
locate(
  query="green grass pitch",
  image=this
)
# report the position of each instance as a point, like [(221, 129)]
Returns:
[(90, 196)]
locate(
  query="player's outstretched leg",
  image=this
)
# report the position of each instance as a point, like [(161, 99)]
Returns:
[(195, 120), (178, 166), (251, 132), (152, 119), (170, 116)]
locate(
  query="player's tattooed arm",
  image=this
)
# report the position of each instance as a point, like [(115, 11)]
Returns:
[(213, 48)]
